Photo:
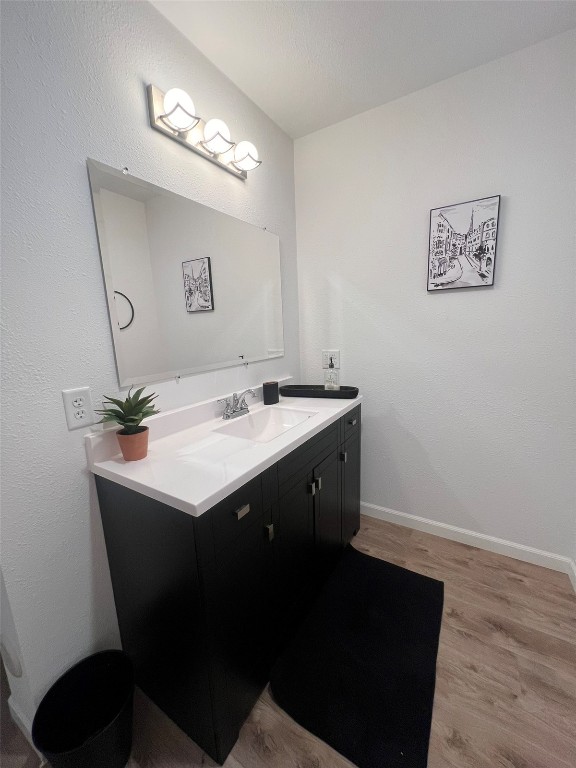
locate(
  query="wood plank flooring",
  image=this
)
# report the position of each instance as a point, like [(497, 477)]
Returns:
[(506, 673)]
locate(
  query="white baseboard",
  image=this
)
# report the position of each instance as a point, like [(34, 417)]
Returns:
[(480, 540), (22, 722), (572, 573)]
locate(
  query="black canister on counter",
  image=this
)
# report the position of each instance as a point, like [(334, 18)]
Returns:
[(270, 392)]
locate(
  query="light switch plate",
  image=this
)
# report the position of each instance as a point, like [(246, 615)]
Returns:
[(330, 353)]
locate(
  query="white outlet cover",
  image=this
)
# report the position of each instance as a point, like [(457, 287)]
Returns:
[(330, 353), (78, 407)]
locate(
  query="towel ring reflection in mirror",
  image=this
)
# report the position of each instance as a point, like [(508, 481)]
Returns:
[(129, 323)]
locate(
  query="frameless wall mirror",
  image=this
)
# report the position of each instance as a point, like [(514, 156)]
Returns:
[(189, 288)]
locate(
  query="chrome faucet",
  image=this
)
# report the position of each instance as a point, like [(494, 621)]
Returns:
[(239, 401), (227, 413), (235, 405)]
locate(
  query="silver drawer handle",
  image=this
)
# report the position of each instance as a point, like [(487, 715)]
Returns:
[(352, 422), (242, 511)]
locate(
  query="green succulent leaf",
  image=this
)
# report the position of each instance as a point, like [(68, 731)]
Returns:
[(129, 412), (136, 396), (119, 403), (112, 412)]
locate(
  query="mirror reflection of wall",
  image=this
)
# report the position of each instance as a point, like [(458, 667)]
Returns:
[(146, 234)]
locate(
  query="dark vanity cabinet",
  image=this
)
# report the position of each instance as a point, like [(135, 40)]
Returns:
[(306, 515), (160, 606), (206, 603), (349, 455), (236, 566)]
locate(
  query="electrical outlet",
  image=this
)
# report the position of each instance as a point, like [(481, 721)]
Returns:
[(330, 353), (78, 407)]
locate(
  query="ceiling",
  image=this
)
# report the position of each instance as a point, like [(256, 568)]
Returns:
[(309, 64)]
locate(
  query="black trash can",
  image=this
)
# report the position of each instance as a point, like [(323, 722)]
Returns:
[(85, 719)]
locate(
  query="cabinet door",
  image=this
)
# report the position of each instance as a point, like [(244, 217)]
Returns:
[(294, 551), (245, 624), (327, 514), (237, 571), (350, 462), (152, 556)]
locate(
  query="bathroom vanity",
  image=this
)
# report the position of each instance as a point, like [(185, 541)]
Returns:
[(218, 545), (219, 540)]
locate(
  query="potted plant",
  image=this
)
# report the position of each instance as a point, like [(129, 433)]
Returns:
[(133, 438)]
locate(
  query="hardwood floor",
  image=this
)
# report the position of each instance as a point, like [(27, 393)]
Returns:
[(506, 672)]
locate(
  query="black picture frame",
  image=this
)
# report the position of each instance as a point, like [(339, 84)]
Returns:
[(462, 242), (198, 290)]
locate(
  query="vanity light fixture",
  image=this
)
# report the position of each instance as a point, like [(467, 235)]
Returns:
[(246, 156), (174, 115), (217, 137), (179, 111)]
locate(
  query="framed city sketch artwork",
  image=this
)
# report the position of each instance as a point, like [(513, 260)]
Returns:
[(462, 247), (198, 285)]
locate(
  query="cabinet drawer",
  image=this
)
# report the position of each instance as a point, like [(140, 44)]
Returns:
[(351, 423), (237, 512)]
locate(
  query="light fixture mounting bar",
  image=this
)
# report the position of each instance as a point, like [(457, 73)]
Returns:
[(190, 139)]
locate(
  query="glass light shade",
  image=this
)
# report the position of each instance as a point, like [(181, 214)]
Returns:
[(246, 156), (179, 110), (217, 137)]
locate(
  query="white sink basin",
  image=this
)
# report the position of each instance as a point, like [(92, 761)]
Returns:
[(263, 426)]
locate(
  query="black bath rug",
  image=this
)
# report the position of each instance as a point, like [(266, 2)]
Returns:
[(360, 673)]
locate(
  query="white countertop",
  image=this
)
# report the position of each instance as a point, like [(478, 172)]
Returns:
[(190, 466)]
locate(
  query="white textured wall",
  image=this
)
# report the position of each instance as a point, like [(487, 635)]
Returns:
[(74, 77), (468, 417), (10, 649)]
